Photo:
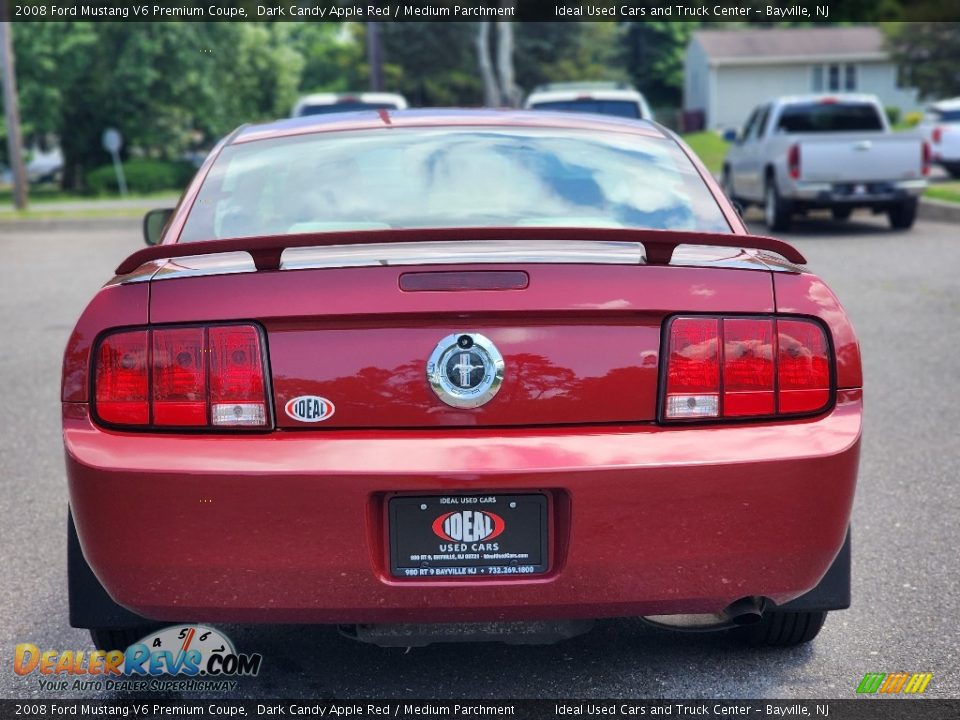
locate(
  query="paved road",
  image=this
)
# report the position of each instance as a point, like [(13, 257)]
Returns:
[(903, 293)]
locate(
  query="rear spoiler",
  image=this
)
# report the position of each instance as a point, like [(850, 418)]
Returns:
[(266, 250)]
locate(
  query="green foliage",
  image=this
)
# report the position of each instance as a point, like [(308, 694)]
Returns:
[(912, 119), (654, 53), (432, 63), (927, 53), (709, 147), (165, 86), (893, 115), (568, 51), (143, 175)]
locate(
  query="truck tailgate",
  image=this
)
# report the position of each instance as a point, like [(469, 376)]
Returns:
[(837, 158)]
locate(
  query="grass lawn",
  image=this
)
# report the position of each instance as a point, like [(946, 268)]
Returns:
[(710, 147), (949, 191), (48, 214), (50, 193)]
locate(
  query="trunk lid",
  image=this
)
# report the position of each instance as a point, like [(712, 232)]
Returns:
[(580, 340)]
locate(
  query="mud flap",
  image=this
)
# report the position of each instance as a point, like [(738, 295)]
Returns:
[(90, 605), (833, 591)]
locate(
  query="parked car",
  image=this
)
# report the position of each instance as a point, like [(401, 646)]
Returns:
[(802, 153), (603, 98), (324, 103), (486, 368), (941, 127)]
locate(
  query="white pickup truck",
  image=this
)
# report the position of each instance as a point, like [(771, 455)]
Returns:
[(941, 127), (825, 151)]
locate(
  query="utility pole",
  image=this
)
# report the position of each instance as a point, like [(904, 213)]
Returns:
[(12, 112), (374, 56)]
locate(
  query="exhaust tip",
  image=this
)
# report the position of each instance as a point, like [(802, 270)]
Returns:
[(745, 611)]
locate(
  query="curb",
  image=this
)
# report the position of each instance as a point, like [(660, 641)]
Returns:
[(939, 211), (68, 223)]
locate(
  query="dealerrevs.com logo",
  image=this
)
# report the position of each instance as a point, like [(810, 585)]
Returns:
[(196, 657)]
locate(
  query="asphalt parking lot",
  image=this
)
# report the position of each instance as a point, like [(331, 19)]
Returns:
[(902, 291)]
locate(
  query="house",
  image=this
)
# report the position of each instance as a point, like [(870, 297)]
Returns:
[(728, 72)]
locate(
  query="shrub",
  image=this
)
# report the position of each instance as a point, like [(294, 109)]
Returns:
[(143, 175), (893, 115), (912, 119)]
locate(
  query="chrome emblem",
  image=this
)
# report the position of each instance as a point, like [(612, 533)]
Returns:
[(465, 370)]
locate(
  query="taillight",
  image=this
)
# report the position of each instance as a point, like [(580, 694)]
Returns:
[(937, 134), (122, 379), (236, 377), (189, 377), (925, 158), (745, 367), (793, 161)]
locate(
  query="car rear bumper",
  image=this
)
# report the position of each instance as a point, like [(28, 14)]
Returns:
[(289, 527), (857, 194)]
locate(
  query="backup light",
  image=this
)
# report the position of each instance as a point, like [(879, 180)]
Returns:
[(738, 367), (188, 377)]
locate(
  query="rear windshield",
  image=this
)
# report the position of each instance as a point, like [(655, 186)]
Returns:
[(448, 177), (829, 117), (947, 115), (344, 107), (620, 108)]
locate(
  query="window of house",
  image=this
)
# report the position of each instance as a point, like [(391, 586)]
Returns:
[(835, 77)]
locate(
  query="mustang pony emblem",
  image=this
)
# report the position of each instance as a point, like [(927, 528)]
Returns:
[(465, 370)]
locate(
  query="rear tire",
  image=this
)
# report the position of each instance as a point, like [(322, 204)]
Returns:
[(776, 210), (903, 215), (953, 170), (841, 213), (784, 629), (118, 638)]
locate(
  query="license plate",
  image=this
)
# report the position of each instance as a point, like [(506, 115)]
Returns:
[(468, 535)]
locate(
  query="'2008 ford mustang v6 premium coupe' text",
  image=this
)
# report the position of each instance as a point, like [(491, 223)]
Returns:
[(460, 374)]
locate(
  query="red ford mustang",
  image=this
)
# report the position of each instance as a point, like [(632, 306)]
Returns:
[(460, 374)]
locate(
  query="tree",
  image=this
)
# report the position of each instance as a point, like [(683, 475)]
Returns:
[(160, 84), (927, 55), (654, 56), (432, 63), (568, 51)]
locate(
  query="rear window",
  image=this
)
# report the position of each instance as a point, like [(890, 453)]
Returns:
[(343, 107), (450, 177), (829, 117), (948, 115), (620, 108)]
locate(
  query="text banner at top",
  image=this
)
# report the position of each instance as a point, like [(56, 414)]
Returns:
[(745, 11)]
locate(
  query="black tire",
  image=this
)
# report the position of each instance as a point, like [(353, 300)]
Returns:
[(903, 215), (784, 629), (953, 170), (119, 638), (841, 212), (776, 210)]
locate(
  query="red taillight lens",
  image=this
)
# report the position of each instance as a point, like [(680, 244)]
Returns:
[(122, 379), (937, 134), (925, 158), (793, 161), (182, 377), (179, 377), (236, 377), (748, 367), (803, 366), (693, 370), (745, 367)]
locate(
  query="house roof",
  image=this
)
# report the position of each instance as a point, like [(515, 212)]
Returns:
[(771, 45)]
